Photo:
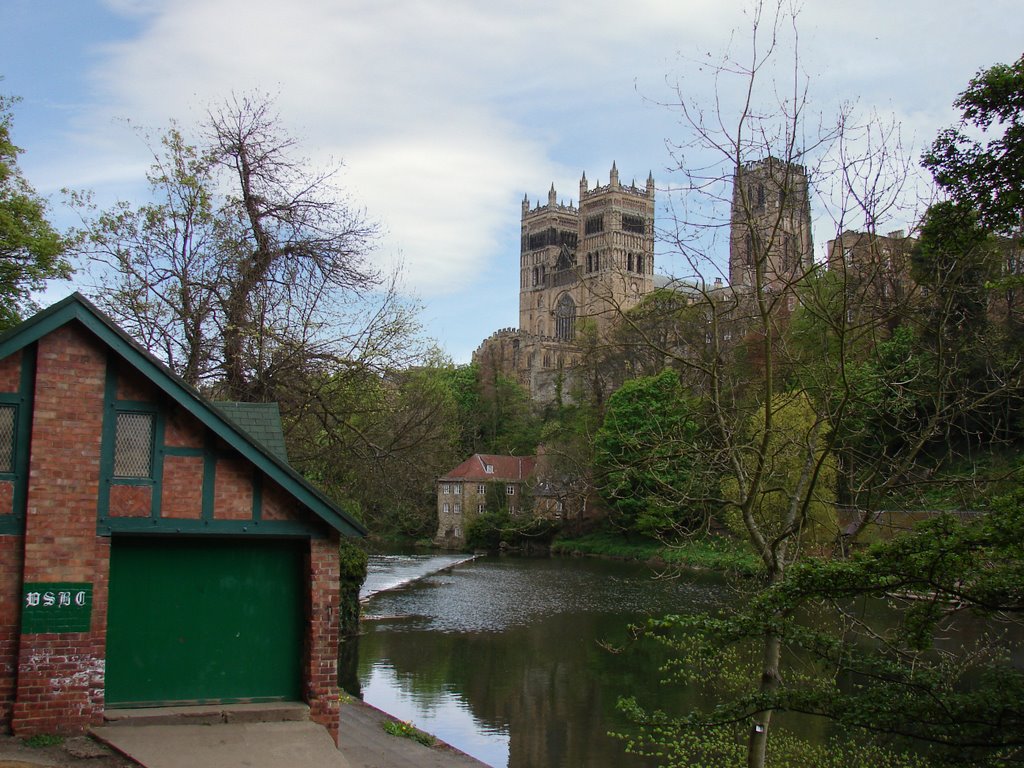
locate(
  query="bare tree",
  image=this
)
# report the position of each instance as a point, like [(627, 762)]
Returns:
[(249, 273)]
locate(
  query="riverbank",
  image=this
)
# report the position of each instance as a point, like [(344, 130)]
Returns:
[(715, 553)]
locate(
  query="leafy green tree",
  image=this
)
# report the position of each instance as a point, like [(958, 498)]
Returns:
[(648, 458), (510, 424), (381, 442), (31, 250), (915, 678), (166, 269), (986, 175), (892, 404), (794, 503), (954, 260)]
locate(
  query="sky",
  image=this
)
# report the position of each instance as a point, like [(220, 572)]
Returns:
[(445, 113)]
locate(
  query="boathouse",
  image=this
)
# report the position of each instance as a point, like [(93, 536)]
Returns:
[(155, 548)]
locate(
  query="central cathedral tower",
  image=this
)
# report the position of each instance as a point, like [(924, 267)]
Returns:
[(590, 262)]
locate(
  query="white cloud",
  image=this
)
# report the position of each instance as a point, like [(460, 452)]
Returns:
[(445, 113)]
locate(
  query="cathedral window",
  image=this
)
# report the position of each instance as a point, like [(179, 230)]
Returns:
[(594, 225), (565, 318), (640, 263), (629, 262), (634, 224), (590, 262)]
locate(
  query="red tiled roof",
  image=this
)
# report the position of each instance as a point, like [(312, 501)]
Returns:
[(507, 468)]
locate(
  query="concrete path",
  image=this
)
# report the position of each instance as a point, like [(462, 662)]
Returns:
[(228, 745), (268, 736), (365, 744)]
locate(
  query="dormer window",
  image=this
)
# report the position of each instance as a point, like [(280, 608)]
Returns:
[(489, 469)]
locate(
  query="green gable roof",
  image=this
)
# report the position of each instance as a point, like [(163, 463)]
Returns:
[(76, 308), (262, 421)]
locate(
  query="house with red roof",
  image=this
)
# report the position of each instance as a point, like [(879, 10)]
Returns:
[(482, 483)]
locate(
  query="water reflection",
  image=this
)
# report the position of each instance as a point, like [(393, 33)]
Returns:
[(501, 656), (440, 712)]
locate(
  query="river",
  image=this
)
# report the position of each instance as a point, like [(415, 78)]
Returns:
[(505, 657)]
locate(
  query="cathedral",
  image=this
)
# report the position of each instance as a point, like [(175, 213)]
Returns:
[(581, 267)]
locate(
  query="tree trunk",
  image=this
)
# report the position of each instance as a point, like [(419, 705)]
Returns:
[(757, 743)]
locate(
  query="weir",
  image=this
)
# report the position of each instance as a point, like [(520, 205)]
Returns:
[(387, 572)]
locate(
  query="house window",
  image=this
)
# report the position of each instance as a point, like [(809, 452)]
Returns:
[(510, 490), (133, 444), (446, 489), (458, 508), (457, 489), (479, 509), (512, 509), (489, 469), (446, 508), (481, 488), (8, 420)]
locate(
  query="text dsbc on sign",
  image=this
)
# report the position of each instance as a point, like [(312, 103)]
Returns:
[(56, 607)]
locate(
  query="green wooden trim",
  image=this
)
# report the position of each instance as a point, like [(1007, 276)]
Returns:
[(158, 463), (107, 441), (77, 308), (257, 495), (209, 478), (112, 406), (23, 400), (280, 528), (14, 400)]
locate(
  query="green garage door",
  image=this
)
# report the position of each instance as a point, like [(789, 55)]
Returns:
[(192, 621)]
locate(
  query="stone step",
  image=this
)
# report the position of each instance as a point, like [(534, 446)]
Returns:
[(209, 714)]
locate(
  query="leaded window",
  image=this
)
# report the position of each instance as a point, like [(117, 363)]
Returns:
[(133, 444), (8, 421)]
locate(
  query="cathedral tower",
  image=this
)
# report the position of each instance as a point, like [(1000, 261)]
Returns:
[(593, 261), (770, 225)]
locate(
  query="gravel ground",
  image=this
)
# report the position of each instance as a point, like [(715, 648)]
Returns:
[(71, 752)]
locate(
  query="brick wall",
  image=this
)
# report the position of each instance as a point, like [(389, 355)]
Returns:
[(322, 637), (10, 620), (54, 682), (60, 676)]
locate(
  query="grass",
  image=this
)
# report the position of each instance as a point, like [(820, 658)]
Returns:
[(41, 740), (709, 552), (409, 731)]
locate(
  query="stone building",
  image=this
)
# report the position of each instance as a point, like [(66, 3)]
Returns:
[(587, 265), (584, 264), (482, 483), (875, 271), (770, 225)]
